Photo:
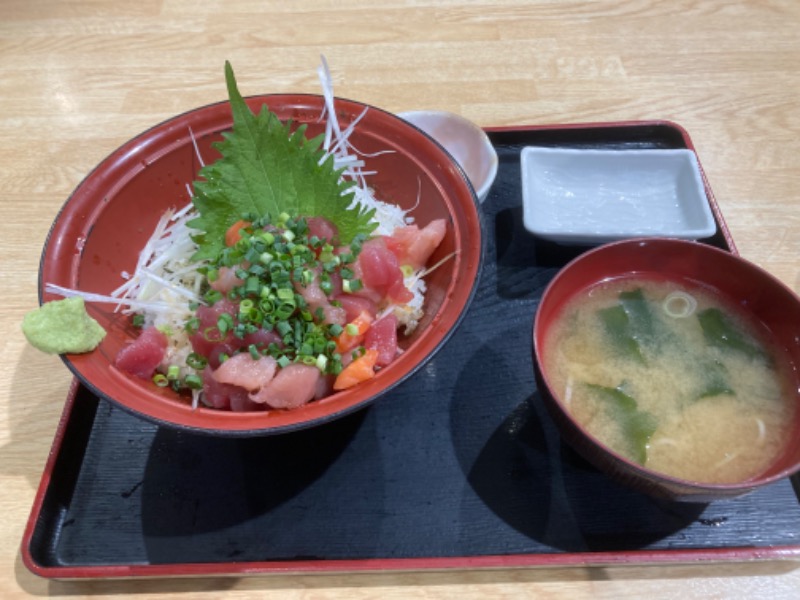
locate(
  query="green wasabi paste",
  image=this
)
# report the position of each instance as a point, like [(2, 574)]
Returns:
[(62, 326)]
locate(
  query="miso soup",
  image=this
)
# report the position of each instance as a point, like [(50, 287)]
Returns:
[(672, 377)]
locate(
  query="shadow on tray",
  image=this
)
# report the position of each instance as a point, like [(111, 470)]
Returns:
[(525, 262), (196, 484), (521, 471)]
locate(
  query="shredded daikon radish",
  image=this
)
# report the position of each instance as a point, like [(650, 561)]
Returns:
[(165, 272), (164, 281), (196, 149), (388, 216), (347, 157)]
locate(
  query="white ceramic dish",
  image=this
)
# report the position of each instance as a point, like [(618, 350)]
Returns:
[(467, 143), (575, 196)]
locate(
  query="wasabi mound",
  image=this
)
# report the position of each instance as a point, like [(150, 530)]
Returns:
[(62, 327)]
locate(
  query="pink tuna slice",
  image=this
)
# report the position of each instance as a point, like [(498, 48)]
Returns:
[(226, 280), (205, 339), (208, 342), (414, 246), (224, 396), (317, 299), (293, 386), (379, 272), (354, 305), (261, 339), (323, 229), (382, 336), (244, 371), (143, 355)]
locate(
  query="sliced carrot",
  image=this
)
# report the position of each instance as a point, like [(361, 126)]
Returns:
[(347, 341), (234, 233), (359, 370)]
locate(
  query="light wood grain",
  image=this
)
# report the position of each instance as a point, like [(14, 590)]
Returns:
[(80, 77)]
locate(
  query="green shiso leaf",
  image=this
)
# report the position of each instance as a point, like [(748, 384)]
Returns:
[(266, 169)]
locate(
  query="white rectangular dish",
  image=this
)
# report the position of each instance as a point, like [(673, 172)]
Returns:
[(582, 196)]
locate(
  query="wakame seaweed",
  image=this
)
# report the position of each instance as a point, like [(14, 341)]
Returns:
[(720, 331), (629, 324), (620, 332), (637, 426)]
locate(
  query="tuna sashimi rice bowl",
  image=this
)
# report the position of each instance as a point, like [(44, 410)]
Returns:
[(267, 263)]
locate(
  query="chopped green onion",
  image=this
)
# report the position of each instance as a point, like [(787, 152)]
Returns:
[(173, 372), (355, 245), (273, 260), (351, 285), (160, 380), (284, 311), (252, 285), (212, 296), (266, 306), (299, 249), (325, 284), (224, 323), (194, 382), (285, 294), (252, 255), (192, 325), (336, 367), (196, 361)]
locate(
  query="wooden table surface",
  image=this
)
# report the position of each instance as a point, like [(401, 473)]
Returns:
[(80, 77)]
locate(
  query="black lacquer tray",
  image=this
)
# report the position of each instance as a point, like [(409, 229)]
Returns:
[(460, 467)]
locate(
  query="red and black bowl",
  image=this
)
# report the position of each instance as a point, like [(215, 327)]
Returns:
[(741, 283), (102, 227)]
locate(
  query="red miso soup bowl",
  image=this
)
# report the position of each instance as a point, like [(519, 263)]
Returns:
[(739, 285), (103, 225)]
